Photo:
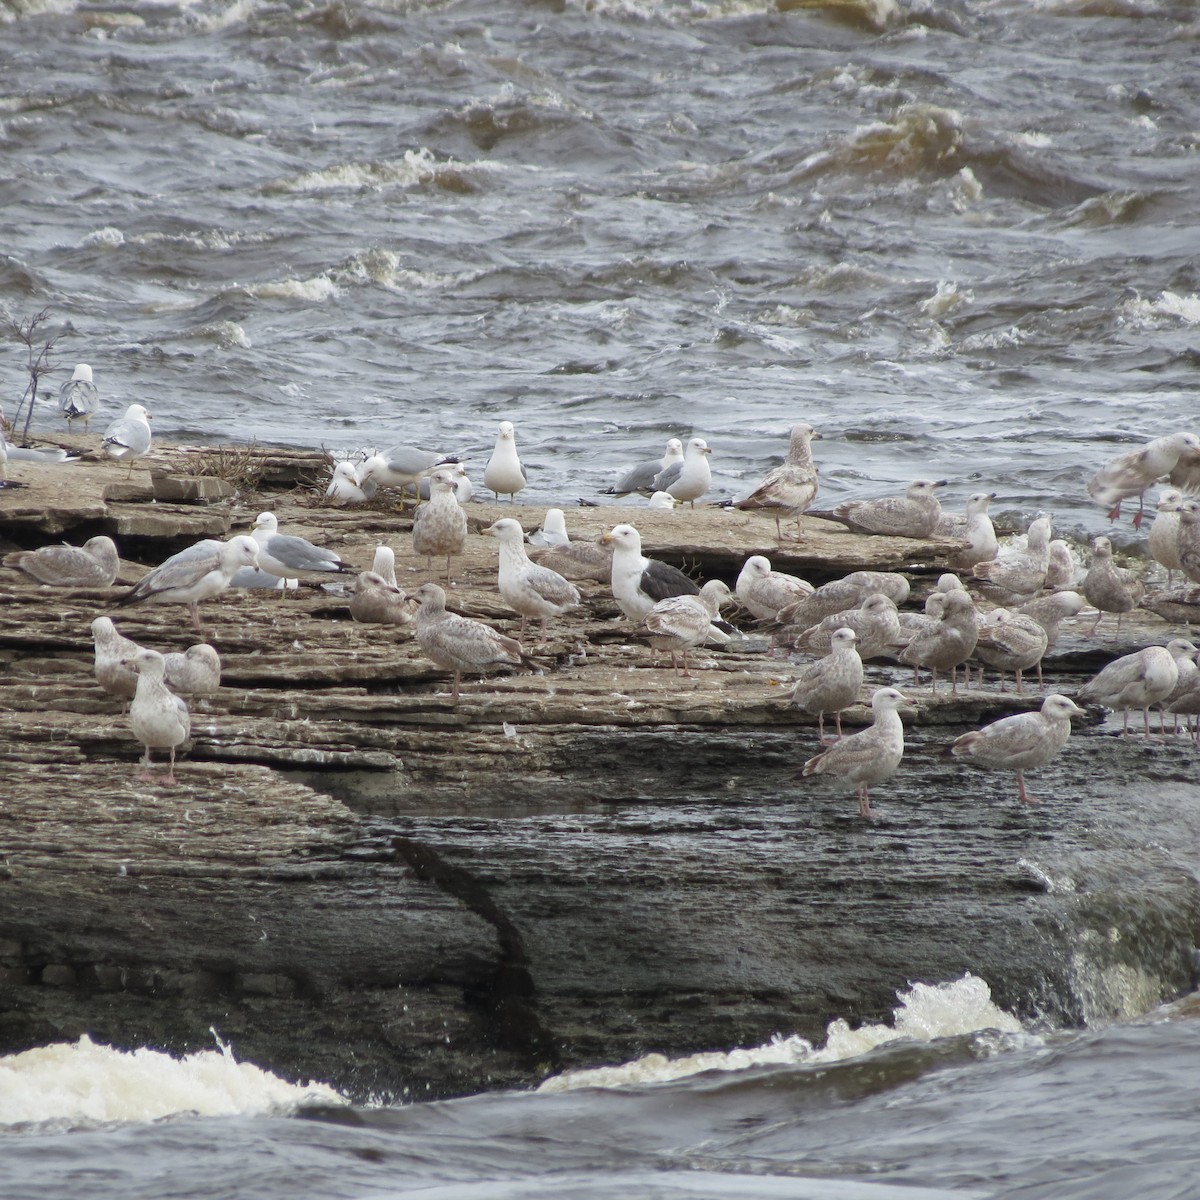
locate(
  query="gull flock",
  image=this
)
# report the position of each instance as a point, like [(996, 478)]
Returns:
[(1005, 621)]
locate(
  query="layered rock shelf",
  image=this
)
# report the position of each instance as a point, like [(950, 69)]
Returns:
[(355, 880)]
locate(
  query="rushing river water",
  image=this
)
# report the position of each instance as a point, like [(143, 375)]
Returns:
[(958, 238)]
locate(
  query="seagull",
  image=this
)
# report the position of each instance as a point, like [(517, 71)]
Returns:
[(1110, 588), (1010, 641), (290, 557), (974, 527), (1020, 570), (694, 476), (1163, 541), (159, 718), (78, 397), (402, 467), (460, 644), (641, 477), (763, 592), (913, 515), (384, 564), (197, 573), (129, 436), (639, 583), (875, 624), (1049, 611), (1184, 654), (841, 594), (345, 486), (112, 650), (788, 489), (553, 531), (376, 601), (831, 683), (1021, 742), (505, 474), (1188, 541), (577, 560), (195, 672), (1130, 474), (1136, 680), (530, 589), (1060, 566), (663, 501), (463, 488), (949, 643), (94, 564), (680, 623), (869, 757), (440, 525)]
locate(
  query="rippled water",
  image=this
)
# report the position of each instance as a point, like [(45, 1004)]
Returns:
[(960, 239)]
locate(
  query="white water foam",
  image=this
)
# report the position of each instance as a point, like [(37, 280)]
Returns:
[(925, 1012), (1169, 304), (85, 1081)]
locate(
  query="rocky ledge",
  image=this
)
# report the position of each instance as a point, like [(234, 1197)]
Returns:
[(356, 881)]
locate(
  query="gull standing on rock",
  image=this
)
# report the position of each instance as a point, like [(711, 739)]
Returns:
[(1020, 570), (641, 478), (762, 592), (1110, 588), (94, 564), (290, 557), (680, 623), (376, 601), (1022, 742), (948, 644), (1163, 542), (1050, 611), (530, 589), (195, 672), (197, 573), (869, 757), (875, 623), (788, 489), (913, 515), (78, 397), (832, 683), (639, 583), (159, 718), (505, 474), (1184, 654), (129, 436), (1010, 642), (402, 467), (460, 644), (1130, 474), (1137, 680), (974, 527), (440, 525), (112, 651), (694, 477)]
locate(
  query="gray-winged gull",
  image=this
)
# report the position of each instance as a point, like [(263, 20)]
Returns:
[(94, 564), (112, 651), (788, 489), (78, 397), (158, 717), (1111, 589), (553, 530), (870, 756), (527, 587), (913, 515), (1022, 742), (128, 438), (832, 683), (461, 644), (505, 474), (440, 525), (1138, 680), (639, 583), (641, 478), (345, 486), (402, 467), (292, 557), (1131, 473), (194, 574), (680, 623), (694, 476)]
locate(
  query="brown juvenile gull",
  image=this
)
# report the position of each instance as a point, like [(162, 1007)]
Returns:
[(694, 477), (376, 601), (1130, 474), (841, 594), (290, 557), (505, 474), (680, 623), (577, 560), (1060, 567), (875, 624), (94, 564), (788, 489), (1110, 588), (78, 397), (1010, 641), (159, 718), (949, 643), (869, 757), (1163, 542), (528, 588), (1020, 570), (129, 436), (1184, 701), (639, 583), (401, 467), (197, 573), (762, 592), (1050, 611), (1022, 742), (831, 683), (461, 644), (1189, 540), (1138, 680), (440, 525), (973, 527), (641, 478), (112, 651), (913, 515), (195, 672), (1184, 654)]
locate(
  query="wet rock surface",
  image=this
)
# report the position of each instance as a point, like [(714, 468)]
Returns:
[(356, 881)]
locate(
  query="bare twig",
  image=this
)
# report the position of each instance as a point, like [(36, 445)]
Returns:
[(38, 364)]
